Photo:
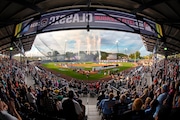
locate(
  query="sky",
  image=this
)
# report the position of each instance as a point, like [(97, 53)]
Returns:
[(82, 40)]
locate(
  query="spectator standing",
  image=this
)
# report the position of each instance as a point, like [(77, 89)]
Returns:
[(48, 103), (83, 109), (71, 108), (59, 109), (161, 98), (32, 98), (171, 93), (101, 97)]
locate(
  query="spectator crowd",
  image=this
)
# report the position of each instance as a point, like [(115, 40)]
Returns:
[(54, 98), (158, 99)]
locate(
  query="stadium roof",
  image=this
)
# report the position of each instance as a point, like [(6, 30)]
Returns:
[(164, 12)]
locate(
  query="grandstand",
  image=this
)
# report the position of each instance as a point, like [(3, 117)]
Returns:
[(24, 86)]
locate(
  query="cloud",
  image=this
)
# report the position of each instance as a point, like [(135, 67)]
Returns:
[(94, 40)]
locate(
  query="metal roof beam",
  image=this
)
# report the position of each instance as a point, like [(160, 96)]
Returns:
[(5, 37), (4, 8), (28, 5), (177, 13), (4, 22), (177, 40), (8, 46), (5, 44), (147, 5)]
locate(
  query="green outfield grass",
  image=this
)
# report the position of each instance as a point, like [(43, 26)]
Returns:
[(86, 66)]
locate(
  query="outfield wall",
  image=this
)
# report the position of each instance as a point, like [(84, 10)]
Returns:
[(103, 67)]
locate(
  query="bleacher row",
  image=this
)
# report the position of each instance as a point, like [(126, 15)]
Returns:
[(139, 98), (50, 90)]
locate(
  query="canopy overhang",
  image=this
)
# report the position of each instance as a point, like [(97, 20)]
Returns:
[(164, 12)]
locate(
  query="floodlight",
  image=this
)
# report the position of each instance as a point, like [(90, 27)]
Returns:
[(11, 48)]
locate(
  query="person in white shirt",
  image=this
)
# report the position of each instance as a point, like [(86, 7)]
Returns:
[(32, 98)]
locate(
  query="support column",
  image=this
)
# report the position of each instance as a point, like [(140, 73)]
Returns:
[(10, 52)]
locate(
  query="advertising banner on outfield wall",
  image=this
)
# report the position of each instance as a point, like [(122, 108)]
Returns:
[(99, 19)]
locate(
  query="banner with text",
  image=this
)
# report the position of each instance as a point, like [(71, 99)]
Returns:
[(99, 19)]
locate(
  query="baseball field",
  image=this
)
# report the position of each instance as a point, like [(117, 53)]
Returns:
[(87, 71)]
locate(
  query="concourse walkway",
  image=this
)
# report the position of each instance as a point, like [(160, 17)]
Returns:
[(29, 81)]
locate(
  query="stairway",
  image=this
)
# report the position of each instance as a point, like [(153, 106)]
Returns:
[(92, 112)]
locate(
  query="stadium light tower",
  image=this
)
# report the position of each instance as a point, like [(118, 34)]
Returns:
[(126, 52), (65, 50), (117, 48)]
